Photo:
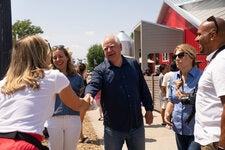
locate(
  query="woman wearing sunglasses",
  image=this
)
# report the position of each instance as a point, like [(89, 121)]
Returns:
[(182, 84)]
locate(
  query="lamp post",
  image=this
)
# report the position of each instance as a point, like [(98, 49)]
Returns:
[(5, 35)]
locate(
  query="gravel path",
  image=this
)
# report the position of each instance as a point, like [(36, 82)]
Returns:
[(94, 143)]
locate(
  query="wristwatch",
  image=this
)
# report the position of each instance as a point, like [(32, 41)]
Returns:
[(220, 148)]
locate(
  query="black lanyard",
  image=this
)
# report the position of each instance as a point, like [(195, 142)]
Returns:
[(217, 52)]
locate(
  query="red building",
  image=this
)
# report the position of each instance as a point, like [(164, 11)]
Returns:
[(177, 23)]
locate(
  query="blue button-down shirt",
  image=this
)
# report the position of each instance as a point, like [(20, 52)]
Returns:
[(124, 90), (181, 112)]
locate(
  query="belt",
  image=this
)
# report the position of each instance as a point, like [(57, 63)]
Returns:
[(17, 135)]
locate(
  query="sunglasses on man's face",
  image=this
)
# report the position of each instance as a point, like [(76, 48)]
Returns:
[(179, 55), (212, 18)]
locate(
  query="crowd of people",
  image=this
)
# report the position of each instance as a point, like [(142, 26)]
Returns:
[(43, 89), (196, 99)]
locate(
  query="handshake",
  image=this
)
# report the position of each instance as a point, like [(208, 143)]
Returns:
[(90, 100)]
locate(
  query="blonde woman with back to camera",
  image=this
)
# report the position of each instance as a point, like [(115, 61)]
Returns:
[(28, 92)]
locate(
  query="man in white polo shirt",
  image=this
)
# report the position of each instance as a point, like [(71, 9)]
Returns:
[(210, 100)]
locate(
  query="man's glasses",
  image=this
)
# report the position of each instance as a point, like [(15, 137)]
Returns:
[(212, 18), (179, 55), (58, 47)]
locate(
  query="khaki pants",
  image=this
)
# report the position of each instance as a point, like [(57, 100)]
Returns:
[(211, 146)]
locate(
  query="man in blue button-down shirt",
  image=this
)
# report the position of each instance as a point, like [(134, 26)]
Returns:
[(124, 90)]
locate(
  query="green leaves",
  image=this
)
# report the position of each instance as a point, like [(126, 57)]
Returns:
[(23, 28), (95, 56)]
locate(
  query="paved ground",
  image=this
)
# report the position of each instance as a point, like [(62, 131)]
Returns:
[(156, 136)]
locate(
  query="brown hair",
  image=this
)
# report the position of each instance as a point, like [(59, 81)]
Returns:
[(71, 70), (80, 69)]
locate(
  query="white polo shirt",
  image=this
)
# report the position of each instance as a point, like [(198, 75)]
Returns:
[(208, 104), (27, 110)]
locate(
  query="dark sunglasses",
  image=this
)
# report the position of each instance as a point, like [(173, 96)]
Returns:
[(212, 18), (179, 55), (58, 47)]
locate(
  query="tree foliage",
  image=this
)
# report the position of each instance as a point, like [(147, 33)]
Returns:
[(132, 35), (95, 56), (23, 28)]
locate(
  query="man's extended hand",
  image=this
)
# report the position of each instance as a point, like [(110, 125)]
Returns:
[(92, 104)]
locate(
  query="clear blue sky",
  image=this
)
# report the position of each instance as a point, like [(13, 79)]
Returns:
[(79, 24)]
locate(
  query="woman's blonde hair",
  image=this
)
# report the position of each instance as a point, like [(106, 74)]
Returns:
[(71, 69), (28, 61), (189, 50)]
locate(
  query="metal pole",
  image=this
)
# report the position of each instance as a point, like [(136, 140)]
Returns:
[(5, 35)]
